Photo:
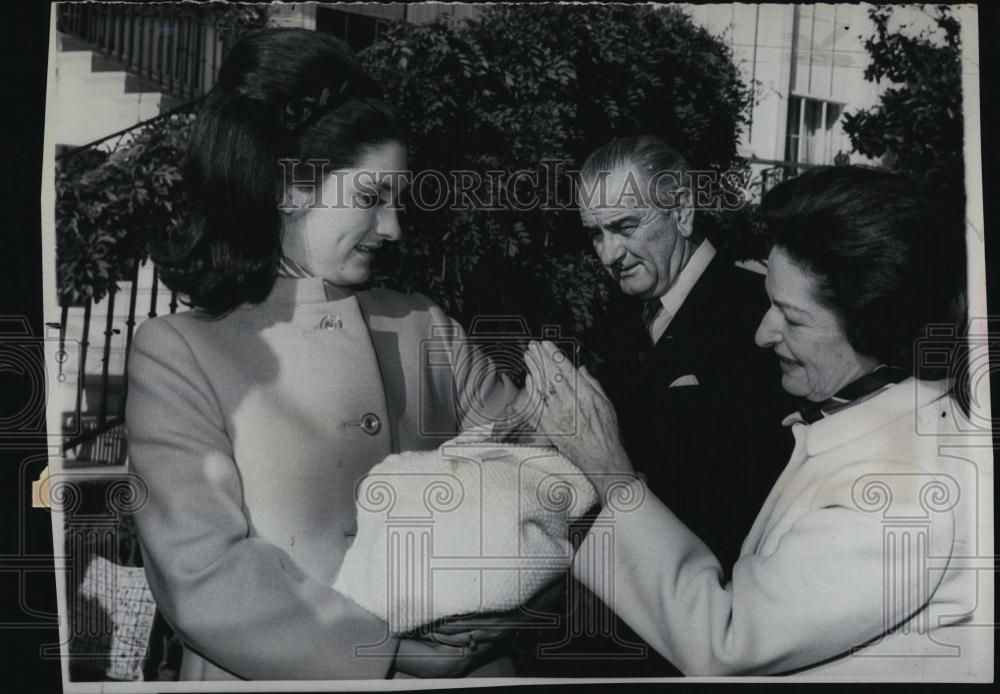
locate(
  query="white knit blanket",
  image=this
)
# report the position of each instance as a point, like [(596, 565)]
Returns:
[(468, 528)]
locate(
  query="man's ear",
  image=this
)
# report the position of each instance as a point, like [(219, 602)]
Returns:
[(684, 211)]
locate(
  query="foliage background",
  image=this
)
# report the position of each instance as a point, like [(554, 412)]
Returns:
[(532, 83), (524, 85), (519, 86), (112, 200), (917, 125), (110, 206)]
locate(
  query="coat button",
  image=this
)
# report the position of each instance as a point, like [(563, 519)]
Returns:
[(371, 424), (329, 322)]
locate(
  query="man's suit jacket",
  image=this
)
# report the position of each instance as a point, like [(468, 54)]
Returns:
[(250, 433), (868, 528), (710, 451)]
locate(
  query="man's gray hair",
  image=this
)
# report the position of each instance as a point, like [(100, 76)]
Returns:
[(648, 155)]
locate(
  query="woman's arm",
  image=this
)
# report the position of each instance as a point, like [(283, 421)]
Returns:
[(484, 396), (238, 600), (818, 594)]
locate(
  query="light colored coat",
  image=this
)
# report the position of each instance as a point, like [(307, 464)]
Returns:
[(248, 432), (874, 526)]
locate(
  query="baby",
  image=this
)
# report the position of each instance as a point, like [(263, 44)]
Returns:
[(472, 527)]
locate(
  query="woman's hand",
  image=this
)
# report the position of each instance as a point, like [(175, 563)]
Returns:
[(438, 655), (577, 416), (454, 647)]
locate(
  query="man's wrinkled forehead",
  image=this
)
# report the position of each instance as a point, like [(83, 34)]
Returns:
[(611, 217), (620, 188)]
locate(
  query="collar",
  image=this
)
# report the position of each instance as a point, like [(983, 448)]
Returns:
[(876, 380), (306, 290), (869, 415), (289, 268), (689, 275)]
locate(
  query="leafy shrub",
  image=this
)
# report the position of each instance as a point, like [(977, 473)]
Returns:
[(918, 124), (110, 205), (520, 86), (527, 84)]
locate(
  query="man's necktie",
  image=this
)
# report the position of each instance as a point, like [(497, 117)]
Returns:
[(852, 392), (648, 312)]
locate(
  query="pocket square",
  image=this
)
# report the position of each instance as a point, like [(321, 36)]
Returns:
[(687, 380)]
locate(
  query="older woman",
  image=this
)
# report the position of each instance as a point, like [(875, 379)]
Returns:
[(849, 569), (252, 418)]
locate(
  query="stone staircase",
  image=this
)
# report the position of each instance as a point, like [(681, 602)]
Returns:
[(96, 96)]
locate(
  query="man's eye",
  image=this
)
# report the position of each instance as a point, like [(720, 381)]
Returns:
[(366, 201)]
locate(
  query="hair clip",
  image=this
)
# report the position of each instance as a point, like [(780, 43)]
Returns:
[(308, 109)]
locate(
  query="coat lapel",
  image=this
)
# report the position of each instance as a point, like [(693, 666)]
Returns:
[(676, 353)]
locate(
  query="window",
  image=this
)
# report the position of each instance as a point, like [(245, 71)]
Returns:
[(814, 133), (357, 30)]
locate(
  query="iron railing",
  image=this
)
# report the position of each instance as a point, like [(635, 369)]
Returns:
[(779, 171), (176, 48), (109, 415), (100, 436), (99, 432)]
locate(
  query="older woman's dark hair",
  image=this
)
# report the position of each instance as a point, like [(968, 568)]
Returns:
[(887, 264), (281, 94)]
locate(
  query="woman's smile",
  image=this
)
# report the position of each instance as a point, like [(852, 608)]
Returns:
[(322, 239)]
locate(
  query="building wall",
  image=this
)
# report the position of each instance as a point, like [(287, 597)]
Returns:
[(304, 14), (805, 63), (813, 52), (294, 14)]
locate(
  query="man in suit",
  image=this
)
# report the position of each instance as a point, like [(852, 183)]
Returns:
[(680, 363), (699, 404)]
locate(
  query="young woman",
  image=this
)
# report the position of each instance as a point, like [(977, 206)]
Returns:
[(252, 417)]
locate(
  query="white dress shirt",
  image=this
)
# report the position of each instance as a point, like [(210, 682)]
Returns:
[(674, 297)]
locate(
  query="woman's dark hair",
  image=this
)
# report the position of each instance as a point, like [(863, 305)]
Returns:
[(290, 94), (886, 262)]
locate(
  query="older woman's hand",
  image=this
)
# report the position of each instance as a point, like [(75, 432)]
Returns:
[(454, 647), (577, 416)]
